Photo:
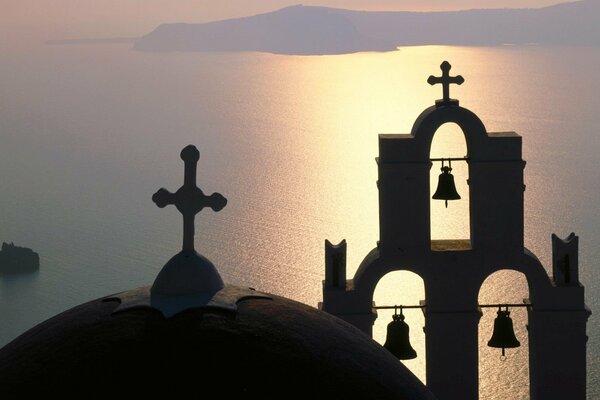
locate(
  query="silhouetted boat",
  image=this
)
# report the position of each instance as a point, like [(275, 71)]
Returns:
[(15, 259)]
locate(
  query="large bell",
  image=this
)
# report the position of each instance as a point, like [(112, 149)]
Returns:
[(446, 190), (397, 341), (503, 336)]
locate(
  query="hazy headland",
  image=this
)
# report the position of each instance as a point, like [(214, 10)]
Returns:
[(321, 30)]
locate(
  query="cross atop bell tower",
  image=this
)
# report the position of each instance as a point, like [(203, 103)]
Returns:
[(446, 80)]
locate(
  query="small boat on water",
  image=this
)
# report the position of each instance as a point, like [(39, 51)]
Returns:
[(15, 259)]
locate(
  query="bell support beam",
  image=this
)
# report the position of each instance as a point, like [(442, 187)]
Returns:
[(396, 307), (450, 159), (504, 305), (480, 306)]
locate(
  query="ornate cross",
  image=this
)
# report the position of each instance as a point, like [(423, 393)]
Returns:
[(446, 80), (189, 199)]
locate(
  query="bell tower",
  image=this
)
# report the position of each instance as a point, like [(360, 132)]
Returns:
[(454, 270)]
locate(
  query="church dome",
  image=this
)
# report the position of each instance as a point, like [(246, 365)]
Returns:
[(191, 335), (268, 348)]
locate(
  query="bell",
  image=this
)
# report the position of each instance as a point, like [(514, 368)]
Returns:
[(397, 341), (503, 336), (446, 189)]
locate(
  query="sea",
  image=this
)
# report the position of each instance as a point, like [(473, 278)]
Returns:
[(89, 132)]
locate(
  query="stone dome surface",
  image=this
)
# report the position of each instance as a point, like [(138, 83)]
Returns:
[(192, 336), (268, 348)]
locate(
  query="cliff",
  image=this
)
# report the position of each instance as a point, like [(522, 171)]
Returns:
[(322, 30)]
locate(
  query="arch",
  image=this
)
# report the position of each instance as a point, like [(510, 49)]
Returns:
[(433, 117), (496, 278), (372, 269), (402, 287), (538, 281), (453, 221), (509, 379)]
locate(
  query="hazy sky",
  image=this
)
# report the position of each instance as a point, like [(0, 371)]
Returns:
[(59, 19)]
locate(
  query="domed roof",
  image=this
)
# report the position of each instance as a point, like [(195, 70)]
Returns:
[(191, 335), (268, 348)]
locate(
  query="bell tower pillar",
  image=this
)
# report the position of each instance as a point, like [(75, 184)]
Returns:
[(452, 354), (557, 330)]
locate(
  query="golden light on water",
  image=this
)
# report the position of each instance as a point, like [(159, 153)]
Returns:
[(351, 100), (305, 152), (291, 142)]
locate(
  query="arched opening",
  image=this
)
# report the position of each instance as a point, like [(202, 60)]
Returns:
[(452, 222), (402, 288), (508, 379)]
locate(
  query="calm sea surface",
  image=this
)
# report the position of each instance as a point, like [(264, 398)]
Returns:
[(88, 133)]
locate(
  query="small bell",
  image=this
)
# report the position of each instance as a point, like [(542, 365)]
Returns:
[(446, 189), (397, 340), (503, 336)]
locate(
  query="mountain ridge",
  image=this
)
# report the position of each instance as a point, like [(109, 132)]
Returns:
[(307, 30)]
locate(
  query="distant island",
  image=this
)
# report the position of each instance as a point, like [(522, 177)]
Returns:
[(15, 259), (307, 30), (114, 40)]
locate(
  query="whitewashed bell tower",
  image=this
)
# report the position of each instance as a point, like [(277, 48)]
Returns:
[(454, 270)]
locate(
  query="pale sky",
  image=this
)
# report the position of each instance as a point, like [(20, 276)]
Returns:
[(64, 19)]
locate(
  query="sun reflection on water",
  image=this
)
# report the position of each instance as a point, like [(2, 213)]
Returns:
[(326, 136), (291, 142), (352, 99)]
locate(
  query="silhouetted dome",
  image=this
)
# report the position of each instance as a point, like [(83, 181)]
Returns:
[(192, 336), (268, 348)]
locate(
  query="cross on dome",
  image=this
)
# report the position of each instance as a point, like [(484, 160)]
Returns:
[(189, 199), (446, 80)]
